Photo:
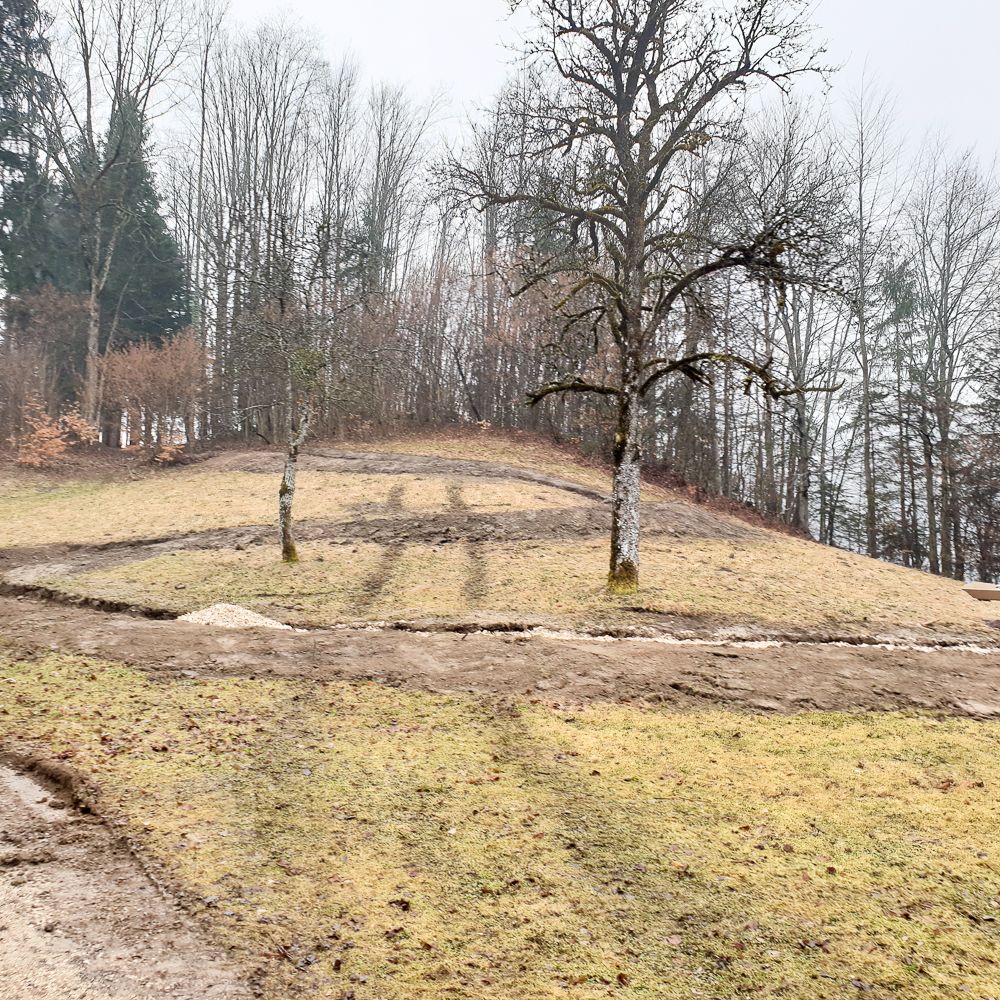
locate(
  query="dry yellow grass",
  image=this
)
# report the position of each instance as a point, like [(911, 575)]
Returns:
[(774, 580), (778, 582), (173, 502), (521, 452), (407, 846)]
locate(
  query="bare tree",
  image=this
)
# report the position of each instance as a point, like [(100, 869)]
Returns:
[(625, 93), (873, 204), (954, 220), (106, 72)]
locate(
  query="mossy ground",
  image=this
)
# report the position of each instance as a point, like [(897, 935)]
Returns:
[(405, 845), (778, 582)]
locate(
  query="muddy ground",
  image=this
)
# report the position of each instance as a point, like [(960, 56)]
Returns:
[(572, 670), (79, 919)]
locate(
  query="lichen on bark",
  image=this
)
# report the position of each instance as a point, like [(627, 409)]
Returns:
[(623, 577)]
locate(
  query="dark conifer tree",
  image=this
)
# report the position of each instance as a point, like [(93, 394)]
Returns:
[(22, 45)]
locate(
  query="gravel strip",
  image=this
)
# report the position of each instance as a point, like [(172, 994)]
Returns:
[(232, 616)]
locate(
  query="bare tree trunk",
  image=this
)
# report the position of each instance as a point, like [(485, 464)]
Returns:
[(800, 469), (932, 523), (624, 575), (91, 371), (946, 532), (286, 493)]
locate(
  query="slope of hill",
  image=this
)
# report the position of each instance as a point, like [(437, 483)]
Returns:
[(455, 531), (378, 813)]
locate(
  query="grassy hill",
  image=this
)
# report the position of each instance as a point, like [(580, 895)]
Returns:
[(457, 529), (358, 839)]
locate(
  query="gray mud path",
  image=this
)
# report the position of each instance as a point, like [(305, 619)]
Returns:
[(79, 920)]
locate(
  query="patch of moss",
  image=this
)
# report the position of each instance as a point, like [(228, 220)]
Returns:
[(406, 845)]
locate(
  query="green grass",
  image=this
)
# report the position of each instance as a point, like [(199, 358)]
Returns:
[(433, 846)]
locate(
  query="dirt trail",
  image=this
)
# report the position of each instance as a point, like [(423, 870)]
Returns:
[(791, 678), (386, 463), (80, 921)]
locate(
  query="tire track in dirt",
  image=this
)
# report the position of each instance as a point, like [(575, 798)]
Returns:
[(476, 583), (80, 919), (568, 669), (372, 587)]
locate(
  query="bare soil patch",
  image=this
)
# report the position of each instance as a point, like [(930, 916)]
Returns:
[(79, 920), (785, 679)]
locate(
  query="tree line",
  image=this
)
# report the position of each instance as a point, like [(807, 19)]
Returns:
[(653, 234)]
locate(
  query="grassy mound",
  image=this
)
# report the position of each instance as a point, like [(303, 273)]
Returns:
[(172, 502), (715, 572), (400, 845), (779, 583)]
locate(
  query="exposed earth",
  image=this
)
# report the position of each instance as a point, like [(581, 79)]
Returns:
[(791, 677), (81, 920)]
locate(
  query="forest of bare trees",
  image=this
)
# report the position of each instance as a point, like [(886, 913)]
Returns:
[(658, 231)]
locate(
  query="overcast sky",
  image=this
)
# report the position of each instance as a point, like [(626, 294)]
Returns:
[(936, 58)]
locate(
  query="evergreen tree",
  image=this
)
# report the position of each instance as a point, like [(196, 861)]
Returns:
[(144, 298), (22, 44), (146, 294)]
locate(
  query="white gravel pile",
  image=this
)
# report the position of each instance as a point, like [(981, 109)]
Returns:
[(231, 616)]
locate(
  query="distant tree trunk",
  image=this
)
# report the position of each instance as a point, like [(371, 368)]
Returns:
[(286, 494), (867, 445), (111, 428), (91, 371), (947, 525), (903, 448), (770, 486), (800, 469), (932, 523)]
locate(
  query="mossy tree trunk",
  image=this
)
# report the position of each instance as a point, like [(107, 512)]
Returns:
[(286, 493), (623, 577)]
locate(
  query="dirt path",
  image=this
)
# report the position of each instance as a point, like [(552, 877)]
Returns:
[(80, 921), (386, 463), (788, 678)]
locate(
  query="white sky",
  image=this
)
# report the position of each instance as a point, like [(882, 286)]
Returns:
[(937, 58)]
